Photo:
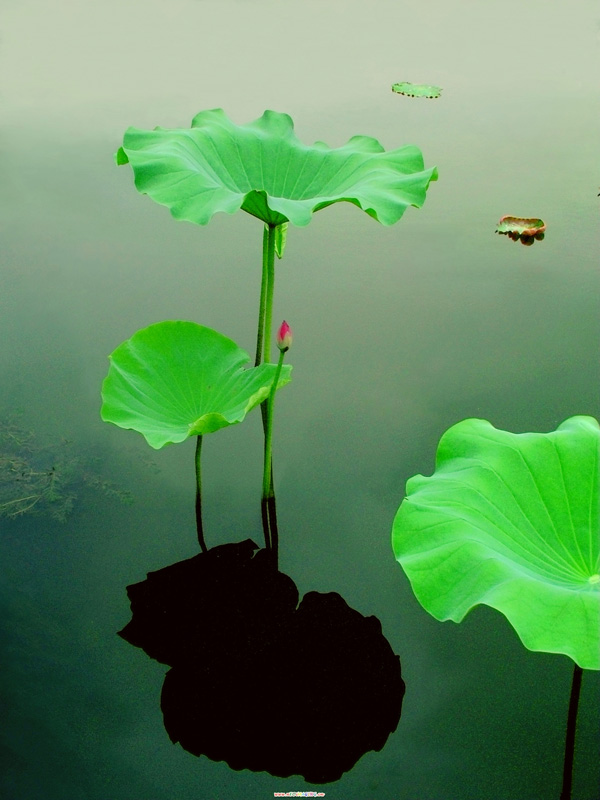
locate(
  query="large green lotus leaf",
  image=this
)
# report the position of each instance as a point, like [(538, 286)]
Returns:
[(178, 379), (511, 521), (265, 169)]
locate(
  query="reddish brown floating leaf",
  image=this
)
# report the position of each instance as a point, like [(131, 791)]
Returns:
[(525, 229)]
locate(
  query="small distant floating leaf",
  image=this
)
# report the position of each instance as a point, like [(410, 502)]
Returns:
[(521, 225), (417, 90), (525, 229)]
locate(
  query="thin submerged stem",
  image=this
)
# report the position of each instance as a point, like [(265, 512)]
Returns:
[(264, 512), (268, 508), (269, 425), (570, 737), (272, 516), (199, 528)]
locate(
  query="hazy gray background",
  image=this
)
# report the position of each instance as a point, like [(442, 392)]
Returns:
[(399, 333)]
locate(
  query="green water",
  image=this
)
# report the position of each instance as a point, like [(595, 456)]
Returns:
[(399, 333)]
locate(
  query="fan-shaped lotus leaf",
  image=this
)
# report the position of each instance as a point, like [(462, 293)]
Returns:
[(178, 379), (265, 169), (511, 521), (417, 90)]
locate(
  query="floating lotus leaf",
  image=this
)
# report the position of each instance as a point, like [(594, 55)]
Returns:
[(511, 521), (178, 379), (417, 90), (521, 228), (264, 169)]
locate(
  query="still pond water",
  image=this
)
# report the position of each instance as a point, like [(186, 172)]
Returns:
[(399, 333)]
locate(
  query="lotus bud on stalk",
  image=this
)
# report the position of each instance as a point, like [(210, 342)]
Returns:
[(284, 337)]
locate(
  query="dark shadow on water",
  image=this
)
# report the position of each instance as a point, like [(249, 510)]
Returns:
[(257, 680)]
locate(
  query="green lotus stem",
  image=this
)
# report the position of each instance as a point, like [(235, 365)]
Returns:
[(199, 529), (270, 267), (263, 342), (267, 504), (265, 311), (263, 297), (264, 512), (570, 737), (272, 518)]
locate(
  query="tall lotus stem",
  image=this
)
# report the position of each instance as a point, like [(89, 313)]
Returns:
[(199, 528), (266, 296), (270, 290), (263, 298), (268, 508), (570, 737)]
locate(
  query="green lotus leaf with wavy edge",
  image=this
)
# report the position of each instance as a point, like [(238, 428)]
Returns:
[(178, 379), (264, 169), (511, 521)]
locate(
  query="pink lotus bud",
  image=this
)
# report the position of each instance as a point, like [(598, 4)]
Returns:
[(284, 337)]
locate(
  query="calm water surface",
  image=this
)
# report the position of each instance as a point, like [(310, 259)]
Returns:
[(399, 333)]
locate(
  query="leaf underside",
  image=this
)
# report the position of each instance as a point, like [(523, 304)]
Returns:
[(264, 169)]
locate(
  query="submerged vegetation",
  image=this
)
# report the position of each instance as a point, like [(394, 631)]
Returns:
[(45, 479)]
